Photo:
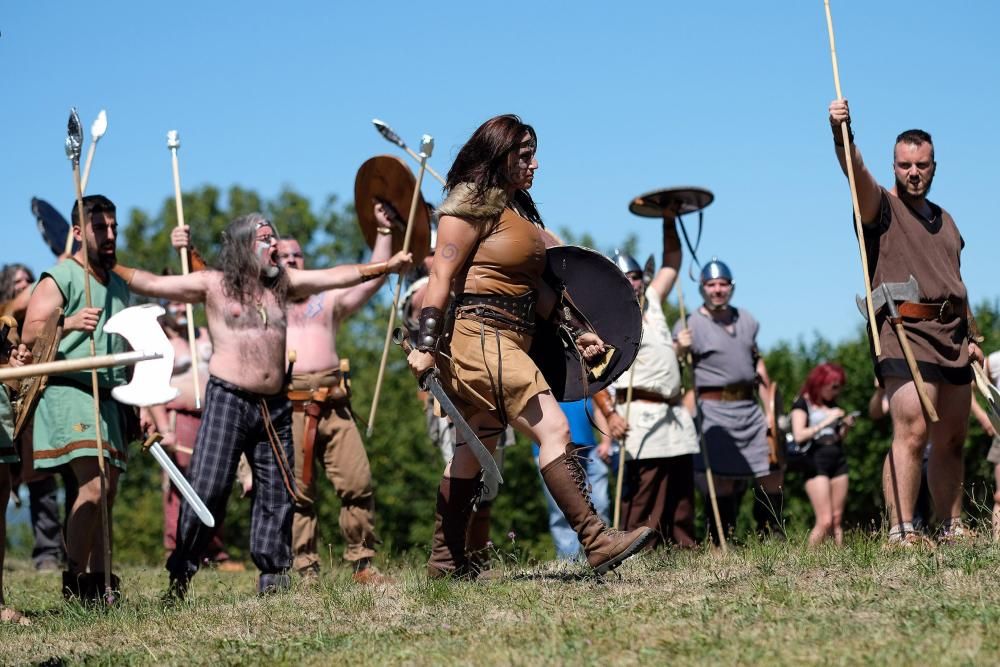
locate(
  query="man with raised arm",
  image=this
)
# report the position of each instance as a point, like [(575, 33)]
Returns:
[(323, 428), (908, 235), (246, 408)]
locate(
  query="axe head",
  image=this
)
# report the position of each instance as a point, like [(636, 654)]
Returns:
[(150, 383), (890, 292)]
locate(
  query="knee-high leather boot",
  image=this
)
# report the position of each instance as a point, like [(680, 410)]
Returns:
[(451, 526), (479, 536), (605, 548)]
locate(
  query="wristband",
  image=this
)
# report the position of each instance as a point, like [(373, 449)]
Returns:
[(384, 231), (429, 332), (373, 271)]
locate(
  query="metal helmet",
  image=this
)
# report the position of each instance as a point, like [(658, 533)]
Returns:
[(713, 270), (626, 263)]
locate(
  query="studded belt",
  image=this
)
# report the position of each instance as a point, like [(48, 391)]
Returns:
[(505, 312)]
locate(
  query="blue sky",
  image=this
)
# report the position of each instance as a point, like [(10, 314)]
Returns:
[(626, 97)]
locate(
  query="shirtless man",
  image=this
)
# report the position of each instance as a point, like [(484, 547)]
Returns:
[(323, 426), (246, 410)]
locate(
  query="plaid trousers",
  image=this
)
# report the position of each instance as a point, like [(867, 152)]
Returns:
[(232, 423)]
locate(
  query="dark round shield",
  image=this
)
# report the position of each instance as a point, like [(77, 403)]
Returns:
[(603, 294), (679, 201), (30, 390), (52, 225), (388, 179)]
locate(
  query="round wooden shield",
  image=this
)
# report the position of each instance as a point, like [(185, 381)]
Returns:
[(387, 178), (680, 201), (44, 350), (604, 295)]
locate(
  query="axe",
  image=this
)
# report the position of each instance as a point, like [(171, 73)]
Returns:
[(990, 393), (887, 294)]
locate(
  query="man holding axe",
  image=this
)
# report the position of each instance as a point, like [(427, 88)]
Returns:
[(246, 408), (922, 315)]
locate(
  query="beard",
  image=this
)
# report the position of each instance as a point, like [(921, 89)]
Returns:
[(903, 186), (105, 260)]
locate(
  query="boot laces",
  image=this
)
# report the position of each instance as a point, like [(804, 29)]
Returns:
[(579, 476)]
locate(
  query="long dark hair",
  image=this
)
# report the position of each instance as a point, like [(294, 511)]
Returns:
[(483, 161), (7, 276), (241, 277)]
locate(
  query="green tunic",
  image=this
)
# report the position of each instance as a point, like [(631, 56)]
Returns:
[(64, 418), (8, 454)]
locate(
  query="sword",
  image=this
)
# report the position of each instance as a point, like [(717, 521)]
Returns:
[(430, 382), (153, 445)]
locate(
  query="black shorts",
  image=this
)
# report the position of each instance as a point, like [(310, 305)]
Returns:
[(826, 460)]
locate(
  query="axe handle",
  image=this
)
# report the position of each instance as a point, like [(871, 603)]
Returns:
[(72, 365), (918, 380)]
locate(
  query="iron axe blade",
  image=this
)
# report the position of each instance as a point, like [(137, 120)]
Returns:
[(908, 291)]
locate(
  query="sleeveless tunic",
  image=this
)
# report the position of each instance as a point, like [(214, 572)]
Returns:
[(64, 418), (483, 366), (901, 243)]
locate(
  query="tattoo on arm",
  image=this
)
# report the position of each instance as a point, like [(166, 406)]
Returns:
[(449, 252)]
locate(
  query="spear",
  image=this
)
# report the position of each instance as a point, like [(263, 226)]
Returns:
[(390, 136), (97, 130), (848, 160), (426, 148), (74, 142), (173, 143)]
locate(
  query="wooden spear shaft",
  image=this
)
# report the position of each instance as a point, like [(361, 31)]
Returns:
[(98, 434), (395, 297), (858, 228), (713, 498), (173, 143), (621, 445)]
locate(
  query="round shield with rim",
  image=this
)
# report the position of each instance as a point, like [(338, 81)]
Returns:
[(602, 293), (387, 179), (678, 201)]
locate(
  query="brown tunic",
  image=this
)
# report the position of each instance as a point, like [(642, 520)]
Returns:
[(479, 359), (902, 243)]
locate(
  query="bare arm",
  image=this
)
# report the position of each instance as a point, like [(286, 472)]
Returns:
[(191, 288), (765, 380), (665, 278), (869, 192), (44, 301), (351, 299), (982, 417), (455, 241), (304, 283), (800, 427)]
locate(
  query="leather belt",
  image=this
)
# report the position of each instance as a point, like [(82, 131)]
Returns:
[(731, 392), (300, 398), (506, 312), (643, 395), (943, 312)]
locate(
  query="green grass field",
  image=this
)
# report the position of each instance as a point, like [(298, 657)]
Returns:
[(762, 603)]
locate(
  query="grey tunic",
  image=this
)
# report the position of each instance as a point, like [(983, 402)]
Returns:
[(735, 431)]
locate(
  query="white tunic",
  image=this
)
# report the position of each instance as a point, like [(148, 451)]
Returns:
[(656, 430)]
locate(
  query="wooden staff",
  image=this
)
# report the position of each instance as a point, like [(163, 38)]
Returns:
[(97, 130), (173, 143), (426, 148), (621, 445), (859, 230), (74, 141), (386, 131), (709, 477)]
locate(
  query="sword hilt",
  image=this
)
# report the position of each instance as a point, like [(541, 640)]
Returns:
[(151, 440), (401, 337)]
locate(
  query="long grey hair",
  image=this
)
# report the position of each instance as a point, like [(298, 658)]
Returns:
[(241, 274)]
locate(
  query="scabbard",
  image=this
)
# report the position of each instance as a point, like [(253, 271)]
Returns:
[(311, 414)]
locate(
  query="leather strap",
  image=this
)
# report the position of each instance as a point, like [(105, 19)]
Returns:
[(943, 312), (732, 392), (649, 396), (312, 412)]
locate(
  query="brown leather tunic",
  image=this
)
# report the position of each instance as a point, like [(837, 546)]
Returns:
[(508, 259), (902, 243)]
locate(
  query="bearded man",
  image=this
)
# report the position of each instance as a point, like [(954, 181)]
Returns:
[(908, 235), (64, 433), (246, 408)]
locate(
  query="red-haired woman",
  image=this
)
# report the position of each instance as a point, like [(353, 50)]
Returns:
[(819, 425), (491, 252)]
